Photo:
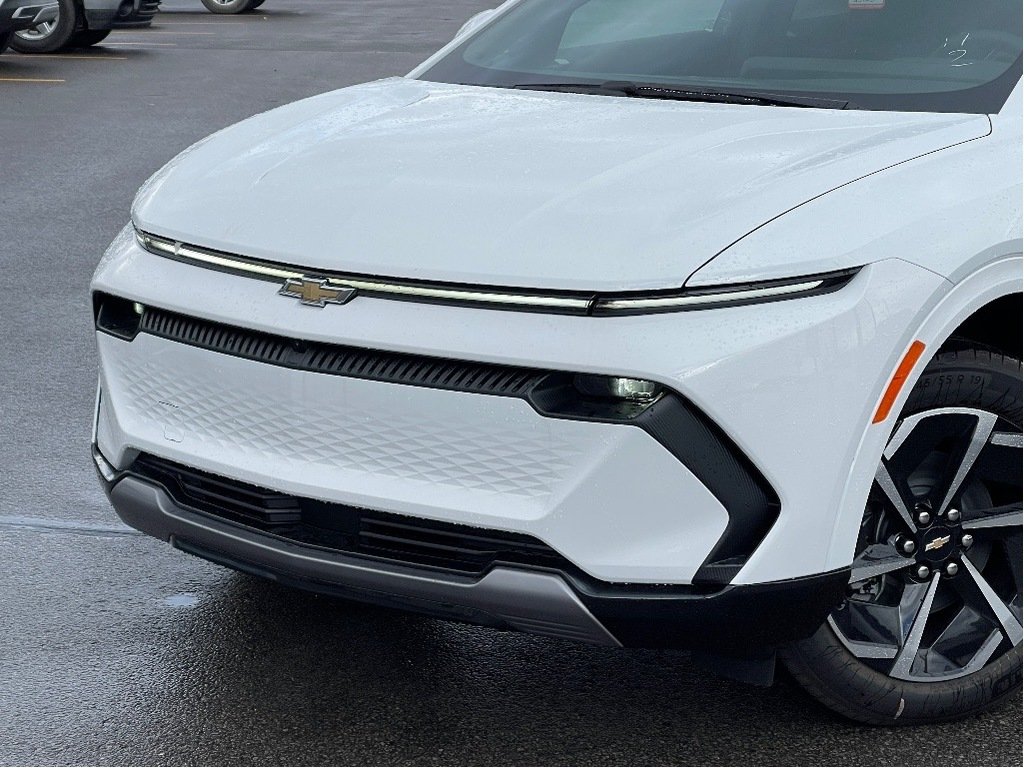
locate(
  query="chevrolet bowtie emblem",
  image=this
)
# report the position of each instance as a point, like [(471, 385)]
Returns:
[(313, 292), (938, 543)]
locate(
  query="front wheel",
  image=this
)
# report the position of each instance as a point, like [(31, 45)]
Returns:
[(227, 6), (50, 36), (931, 629)]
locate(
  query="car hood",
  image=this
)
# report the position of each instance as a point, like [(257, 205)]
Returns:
[(487, 186)]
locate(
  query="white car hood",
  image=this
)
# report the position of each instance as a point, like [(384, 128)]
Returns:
[(488, 186)]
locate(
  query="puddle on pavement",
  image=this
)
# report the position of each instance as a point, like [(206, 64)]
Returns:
[(184, 600)]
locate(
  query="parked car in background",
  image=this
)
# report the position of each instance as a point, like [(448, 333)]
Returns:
[(232, 6), (23, 14), (80, 23)]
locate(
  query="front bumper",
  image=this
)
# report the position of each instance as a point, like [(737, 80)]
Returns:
[(793, 385), (16, 15), (609, 497), (546, 601), (120, 14)]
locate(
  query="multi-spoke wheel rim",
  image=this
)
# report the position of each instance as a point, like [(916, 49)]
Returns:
[(935, 590), (39, 31)]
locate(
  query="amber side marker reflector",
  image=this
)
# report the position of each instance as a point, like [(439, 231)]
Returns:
[(898, 380)]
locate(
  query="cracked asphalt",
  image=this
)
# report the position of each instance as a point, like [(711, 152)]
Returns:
[(115, 649)]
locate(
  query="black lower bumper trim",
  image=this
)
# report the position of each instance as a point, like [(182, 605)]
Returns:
[(433, 609), (739, 620)]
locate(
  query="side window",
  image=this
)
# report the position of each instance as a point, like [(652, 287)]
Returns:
[(601, 21)]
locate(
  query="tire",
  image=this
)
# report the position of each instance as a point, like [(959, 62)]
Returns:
[(256, 4), (961, 653), (227, 6), (4, 40), (86, 37), (51, 36)]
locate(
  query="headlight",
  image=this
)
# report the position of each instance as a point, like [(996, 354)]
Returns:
[(116, 316), (633, 390)]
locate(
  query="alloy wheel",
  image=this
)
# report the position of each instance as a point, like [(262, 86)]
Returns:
[(935, 591), (38, 32)]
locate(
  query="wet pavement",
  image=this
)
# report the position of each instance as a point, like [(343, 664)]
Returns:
[(116, 649)]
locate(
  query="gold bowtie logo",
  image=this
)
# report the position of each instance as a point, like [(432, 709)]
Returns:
[(938, 543), (313, 292)]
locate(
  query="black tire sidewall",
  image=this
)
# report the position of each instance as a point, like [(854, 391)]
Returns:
[(67, 23), (834, 676), (969, 378), (235, 6)]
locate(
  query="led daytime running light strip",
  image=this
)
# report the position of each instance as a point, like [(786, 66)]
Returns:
[(582, 304), (704, 299), (401, 290)]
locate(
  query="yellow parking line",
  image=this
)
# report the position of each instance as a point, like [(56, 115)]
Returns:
[(28, 80)]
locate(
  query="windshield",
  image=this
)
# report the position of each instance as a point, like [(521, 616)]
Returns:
[(906, 55)]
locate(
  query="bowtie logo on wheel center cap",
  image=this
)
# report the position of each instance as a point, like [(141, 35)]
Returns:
[(937, 544)]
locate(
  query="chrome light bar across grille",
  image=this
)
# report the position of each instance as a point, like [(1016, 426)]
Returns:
[(573, 303)]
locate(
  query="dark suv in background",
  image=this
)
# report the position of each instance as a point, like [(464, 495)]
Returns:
[(80, 23)]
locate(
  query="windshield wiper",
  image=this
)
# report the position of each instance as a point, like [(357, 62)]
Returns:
[(683, 93)]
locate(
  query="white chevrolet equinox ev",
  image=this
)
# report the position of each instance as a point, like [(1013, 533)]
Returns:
[(665, 323)]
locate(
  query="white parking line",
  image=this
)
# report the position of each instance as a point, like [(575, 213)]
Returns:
[(161, 32), (28, 80), (212, 23), (70, 56)]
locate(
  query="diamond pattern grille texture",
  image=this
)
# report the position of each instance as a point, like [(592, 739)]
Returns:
[(370, 428)]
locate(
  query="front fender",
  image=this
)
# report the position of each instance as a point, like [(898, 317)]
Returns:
[(994, 280)]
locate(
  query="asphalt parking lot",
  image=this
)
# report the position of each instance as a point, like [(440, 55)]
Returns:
[(115, 648)]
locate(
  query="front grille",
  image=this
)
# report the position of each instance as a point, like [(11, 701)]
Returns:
[(341, 528), (687, 433), (354, 362)]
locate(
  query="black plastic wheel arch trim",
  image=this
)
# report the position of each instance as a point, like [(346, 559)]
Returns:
[(697, 442)]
